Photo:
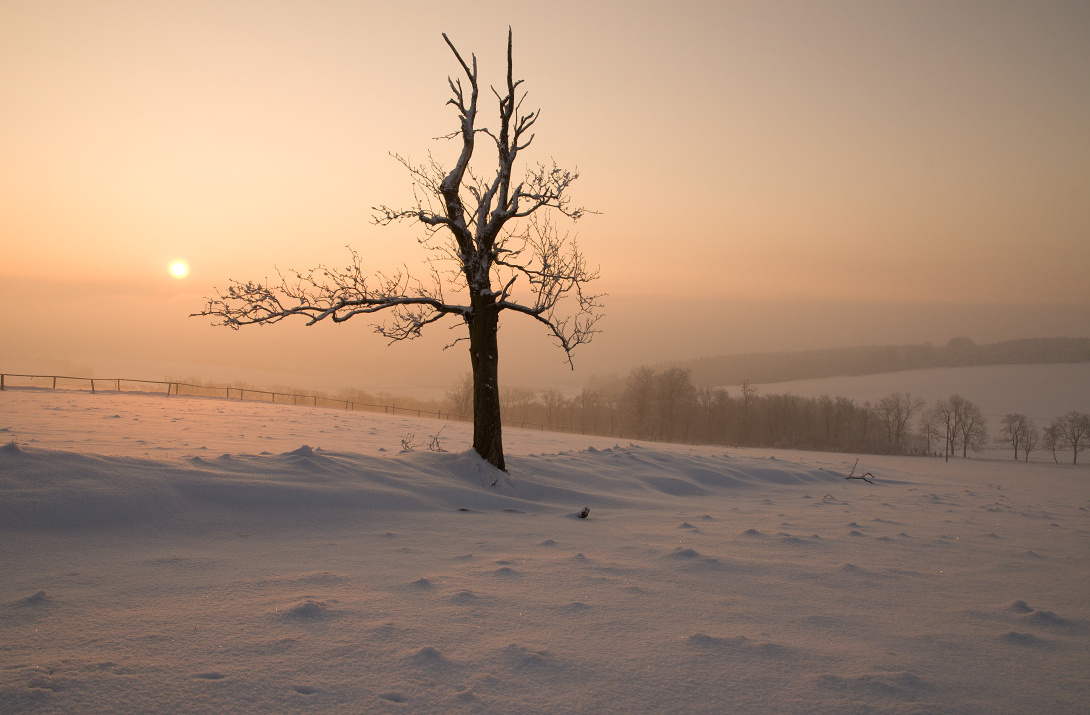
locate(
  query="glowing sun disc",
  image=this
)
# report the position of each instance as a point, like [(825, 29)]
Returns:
[(179, 269)]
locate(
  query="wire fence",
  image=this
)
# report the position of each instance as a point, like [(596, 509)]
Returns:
[(170, 388)]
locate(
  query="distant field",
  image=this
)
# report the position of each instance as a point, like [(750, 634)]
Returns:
[(1043, 392)]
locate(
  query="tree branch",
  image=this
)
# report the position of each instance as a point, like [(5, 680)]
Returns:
[(336, 295), (861, 476)]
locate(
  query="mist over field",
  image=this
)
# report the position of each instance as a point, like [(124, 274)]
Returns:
[(332, 357)]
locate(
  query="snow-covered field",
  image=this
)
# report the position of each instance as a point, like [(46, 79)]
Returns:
[(1041, 391), (186, 555)]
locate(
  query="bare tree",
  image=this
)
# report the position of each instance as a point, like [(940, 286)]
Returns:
[(1030, 437), (1073, 430), (834, 413), (749, 396), (714, 404), (972, 428), (895, 411), (864, 419), (590, 412), (947, 415), (675, 398), (554, 404), (931, 426), (493, 243), (518, 403), (459, 398), (1053, 440), (638, 399), (1019, 432)]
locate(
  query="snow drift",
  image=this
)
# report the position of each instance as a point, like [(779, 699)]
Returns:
[(187, 556)]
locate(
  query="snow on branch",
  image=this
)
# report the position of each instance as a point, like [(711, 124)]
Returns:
[(493, 228), (480, 226), (323, 293), (554, 269)]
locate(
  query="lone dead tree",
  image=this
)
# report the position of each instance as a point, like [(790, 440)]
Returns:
[(493, 246)]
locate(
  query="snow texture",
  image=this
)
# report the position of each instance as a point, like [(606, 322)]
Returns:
[(187, 555)]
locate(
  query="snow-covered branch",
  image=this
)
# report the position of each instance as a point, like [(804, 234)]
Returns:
[(323, 293), (556, 273)]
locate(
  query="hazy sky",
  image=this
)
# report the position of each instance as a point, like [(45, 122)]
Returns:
[(770, 175)]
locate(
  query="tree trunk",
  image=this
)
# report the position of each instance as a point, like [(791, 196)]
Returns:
[(484, 355)]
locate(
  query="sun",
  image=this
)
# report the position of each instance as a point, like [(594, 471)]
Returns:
[(179, 269)]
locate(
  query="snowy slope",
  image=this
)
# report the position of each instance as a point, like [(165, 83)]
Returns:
[(186, 555), (1043, 392)]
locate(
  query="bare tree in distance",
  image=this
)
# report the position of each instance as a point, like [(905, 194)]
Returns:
[(1019, 432), (749, 395), (1073, 432), (638, 399), (1031, 436), (932, 422), (895, 410), (459, 398), (675, 396), (1053, 440), (972, 429), (959, 421), (494, 246)]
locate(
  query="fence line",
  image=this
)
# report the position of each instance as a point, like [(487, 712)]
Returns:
[(174, 387)]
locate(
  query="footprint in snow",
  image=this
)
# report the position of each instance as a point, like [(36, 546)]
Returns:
[(308, 610), (430, 657), (1022, 639), (35, 599)]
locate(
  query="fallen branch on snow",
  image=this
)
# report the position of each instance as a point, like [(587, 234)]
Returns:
[(861, 476)]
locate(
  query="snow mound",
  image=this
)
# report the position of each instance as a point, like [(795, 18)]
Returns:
[(54, 489), (308, 610)]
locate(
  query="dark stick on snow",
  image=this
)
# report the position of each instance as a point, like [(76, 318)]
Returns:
[(861, 476)]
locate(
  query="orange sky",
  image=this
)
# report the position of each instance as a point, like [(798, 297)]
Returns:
[(769, 175)]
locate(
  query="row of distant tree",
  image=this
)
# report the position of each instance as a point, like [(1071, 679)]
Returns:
[(665, 405), (1069, 432)]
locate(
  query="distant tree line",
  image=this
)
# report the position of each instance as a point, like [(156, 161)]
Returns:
[(1069, 432), (868, 360), (666, 405)]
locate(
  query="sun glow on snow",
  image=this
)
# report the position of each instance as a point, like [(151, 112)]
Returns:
[(179, 269)]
